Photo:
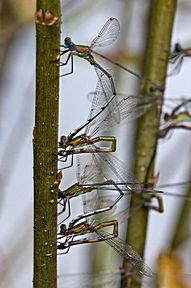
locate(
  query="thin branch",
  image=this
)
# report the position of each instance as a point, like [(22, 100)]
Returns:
[(45, 143)]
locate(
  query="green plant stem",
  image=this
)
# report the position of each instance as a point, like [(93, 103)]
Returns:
[(45, 146), (157, 52)]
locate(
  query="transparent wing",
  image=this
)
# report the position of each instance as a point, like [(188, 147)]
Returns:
[(92, 202), (127, 107), (108, 91), (100, 168), (108, 34), (127, 252), (175, 64), (111, 168), (93, 171), (102, 96), (86, 171)]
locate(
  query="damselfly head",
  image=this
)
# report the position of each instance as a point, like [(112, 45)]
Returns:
[(61, 194), (62, 228), (177, 47), (63, 139), (69, 44), (62, 153), (67, 41), (166, 117), (64, 142)]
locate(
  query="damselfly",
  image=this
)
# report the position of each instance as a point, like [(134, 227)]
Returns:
[(107, 35), (122, 248), (73, 144), (108, 170), (103, 115), (146, 195), (76, 229), (113, 175), (178, 118), (176, 58)]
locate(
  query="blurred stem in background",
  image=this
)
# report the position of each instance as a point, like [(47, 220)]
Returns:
[(45, 143), (157, 52)]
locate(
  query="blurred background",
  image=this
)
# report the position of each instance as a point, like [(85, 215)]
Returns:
[(82, 21)]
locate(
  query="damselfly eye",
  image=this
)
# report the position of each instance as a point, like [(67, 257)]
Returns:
[(67, 41), (166, 116), (63, 228), (63, 139), (60, 194), (178, 47)]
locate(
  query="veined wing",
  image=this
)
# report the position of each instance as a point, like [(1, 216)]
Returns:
[(102, 97), (112, 168), (127, 252), (86, 171), (175, 64), (100, 167), (109, 170), (108, 34), (128, 107)]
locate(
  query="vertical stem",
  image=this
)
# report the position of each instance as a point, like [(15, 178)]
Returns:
[(45, 143), (157, 52)]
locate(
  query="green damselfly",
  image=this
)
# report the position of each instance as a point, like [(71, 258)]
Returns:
[(107, 35), (114, 176), (178, 118), (90, 168), (177, 56), (106, 112), (123, 249), (94, 233)]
